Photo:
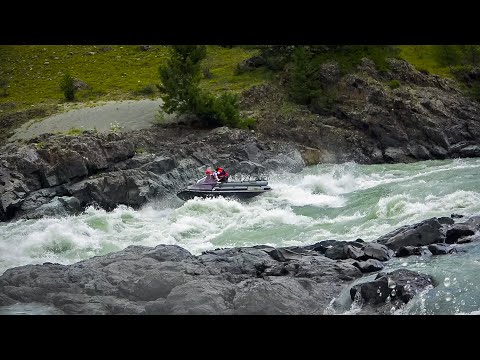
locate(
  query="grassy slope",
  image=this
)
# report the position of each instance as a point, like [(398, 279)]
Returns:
[(114, 74), (422, 57), (120, 72)]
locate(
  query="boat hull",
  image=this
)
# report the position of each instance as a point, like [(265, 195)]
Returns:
[(190, 194)]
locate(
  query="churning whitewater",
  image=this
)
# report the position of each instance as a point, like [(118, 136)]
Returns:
[(342, 202)]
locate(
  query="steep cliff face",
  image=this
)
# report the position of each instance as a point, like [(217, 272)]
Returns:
[(399, 116), (59, 174)]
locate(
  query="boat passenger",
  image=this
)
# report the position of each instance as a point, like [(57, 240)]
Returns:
[(222, 175), (211, 177)]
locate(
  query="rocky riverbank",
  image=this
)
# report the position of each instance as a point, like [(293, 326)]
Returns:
[(425, 117), (261, 279), (372, 116), (61, 174)]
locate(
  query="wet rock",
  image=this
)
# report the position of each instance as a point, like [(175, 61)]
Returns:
[(446, 220), (457, 231), (400, 284), (89, 167), (409, 250), (377, 251), (424, 233), (440, 249), (169, 280), (58, 206), (369, 265), (336, 252), (323, 246), (470, 151), (474, 222), (353, 252)]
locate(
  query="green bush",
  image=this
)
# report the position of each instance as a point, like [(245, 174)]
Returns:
[(180, 78), (68, 87), (149, 89), (74, 131), (181, 92), (207, 74), (394, 84), (223, 110), (4, 86), (246, 123), (324, 103), (304, 85)]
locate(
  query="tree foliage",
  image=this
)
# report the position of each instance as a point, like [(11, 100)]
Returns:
[(181, 91), (67, 85), (180, 78)]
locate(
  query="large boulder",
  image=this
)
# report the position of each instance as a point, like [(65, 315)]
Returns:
[(424, 233)]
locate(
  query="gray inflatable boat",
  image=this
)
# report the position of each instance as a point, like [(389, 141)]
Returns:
[(238, 189)]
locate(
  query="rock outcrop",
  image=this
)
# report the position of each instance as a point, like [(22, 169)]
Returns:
[(260, 279), (169, 280), (368, 121), (59, 174)]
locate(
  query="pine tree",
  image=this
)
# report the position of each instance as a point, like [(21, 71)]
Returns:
[(180, 78)]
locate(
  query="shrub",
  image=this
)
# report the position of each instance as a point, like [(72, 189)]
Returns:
[(67, 85), (149, 89), (4, 86), (181, 92), (394, 84), (74, 131), (180, 78), (207, 73)]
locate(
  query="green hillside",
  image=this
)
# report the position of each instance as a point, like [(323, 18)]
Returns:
[(424, 58), (30, 75), (33, 72)]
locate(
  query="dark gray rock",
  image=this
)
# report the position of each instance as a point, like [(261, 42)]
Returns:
[(353, 252), (400, 284), (377, 251), (323, 246), (409, 250), (446, 220), (457, 231), (336, 252), (440, 249), (58, 206), (108, 169), (369, 265), (160, 165), (169, 280), (424, 233), (470, 151), (474, 222)]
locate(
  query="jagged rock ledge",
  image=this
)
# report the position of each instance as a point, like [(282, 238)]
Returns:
[(260, 279), (60, 174)]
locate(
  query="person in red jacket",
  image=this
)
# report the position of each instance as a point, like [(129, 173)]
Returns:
[(211, 177), (222, 175)]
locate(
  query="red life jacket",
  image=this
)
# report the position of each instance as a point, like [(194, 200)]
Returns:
[(222, 173)]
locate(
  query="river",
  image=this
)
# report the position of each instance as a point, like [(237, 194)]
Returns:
[(342, 202)]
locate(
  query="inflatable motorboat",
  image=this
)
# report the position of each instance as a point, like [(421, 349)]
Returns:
[(240, 189)]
